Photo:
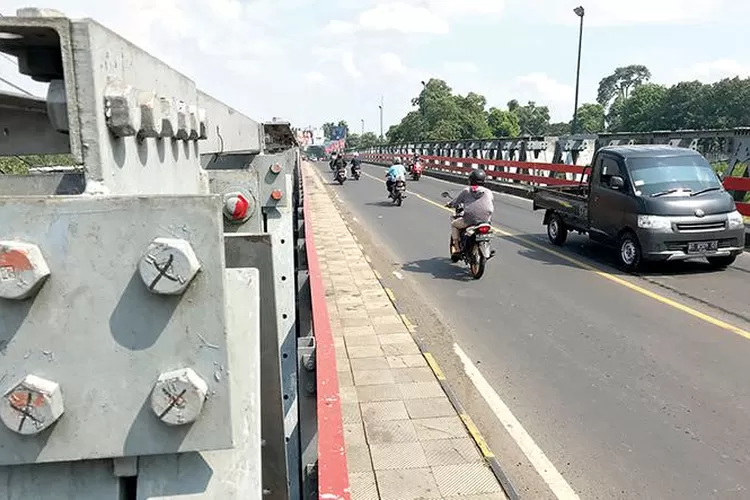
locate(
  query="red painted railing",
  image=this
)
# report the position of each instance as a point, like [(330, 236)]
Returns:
[(539, 174), (333, 475)]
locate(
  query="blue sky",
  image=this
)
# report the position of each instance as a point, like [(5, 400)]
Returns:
[(312, 61)]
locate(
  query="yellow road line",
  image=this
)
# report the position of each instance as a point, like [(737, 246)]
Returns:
[(434, 365), (409, 325), (377, 275), (476, 435), (615, 279), (390, 295)]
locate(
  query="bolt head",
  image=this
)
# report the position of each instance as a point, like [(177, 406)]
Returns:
[(276, 194), (169, 266), (23, 270), (32, 405), (178, 396), (121, 110), (238, 207), (275, 169)]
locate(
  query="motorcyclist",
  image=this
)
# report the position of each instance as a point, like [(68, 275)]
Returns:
[(356, 162), (478, 203), (395, 173), (338, 162)]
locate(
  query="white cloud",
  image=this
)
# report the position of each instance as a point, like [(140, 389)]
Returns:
[(712, 71), (461, 67), (347, 61), (544, 89), (630, 12), (314, 78), (338, 27), (393, 16), (391, 63)]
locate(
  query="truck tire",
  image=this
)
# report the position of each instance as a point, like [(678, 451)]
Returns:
[(557, 230), (721, 262), (629, 251)]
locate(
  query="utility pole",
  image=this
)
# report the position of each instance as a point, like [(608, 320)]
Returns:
[(381, 118), (363, 127), (579, 12)]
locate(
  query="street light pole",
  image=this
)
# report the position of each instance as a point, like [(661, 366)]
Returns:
[(363, 127), (381, 118), (579, 11)]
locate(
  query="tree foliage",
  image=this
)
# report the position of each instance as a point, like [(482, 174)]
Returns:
[(626, 102), (22, 164)]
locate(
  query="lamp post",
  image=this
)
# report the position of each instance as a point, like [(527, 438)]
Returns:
[(381, 118), (363, 127), (579, 12)]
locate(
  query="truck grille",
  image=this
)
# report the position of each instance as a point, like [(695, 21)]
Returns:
[(700, 227)]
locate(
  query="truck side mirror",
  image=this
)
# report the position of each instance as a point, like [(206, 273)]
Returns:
[(616, 182)]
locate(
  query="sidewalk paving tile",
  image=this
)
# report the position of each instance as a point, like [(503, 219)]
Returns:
[(404, 440)]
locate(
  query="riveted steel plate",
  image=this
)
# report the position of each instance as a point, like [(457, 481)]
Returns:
[(95, 329)]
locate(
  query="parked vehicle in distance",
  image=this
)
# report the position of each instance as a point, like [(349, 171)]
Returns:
[(651, 202)]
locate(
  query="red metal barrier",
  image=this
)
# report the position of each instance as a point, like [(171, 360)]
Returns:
[(333, 475), (450, 164)]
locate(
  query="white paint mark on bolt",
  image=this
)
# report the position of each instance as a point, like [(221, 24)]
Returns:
[(32, 405), (168, 266), (23, 270), (178, 397)]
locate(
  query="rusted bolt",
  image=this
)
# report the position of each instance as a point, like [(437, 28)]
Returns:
[(178, 396), (238, 206), (168, 266), (275, 169), (23, 270), (151, 114), (276, 195), (32, 405), (121, 110)]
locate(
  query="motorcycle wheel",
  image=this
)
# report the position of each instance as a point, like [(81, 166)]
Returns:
[(398, 201), (477, 263)]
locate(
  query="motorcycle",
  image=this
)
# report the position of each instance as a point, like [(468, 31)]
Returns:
[(356, 172), (340, 176), (474, 244), (416, 171), (398, 192)]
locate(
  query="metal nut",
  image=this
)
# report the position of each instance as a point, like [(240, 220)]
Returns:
[(151, 117), (183, 121), (32, 405), (168, 109), (121, 110), (168, 266), (178, 396), (239, 206), (23, 270)]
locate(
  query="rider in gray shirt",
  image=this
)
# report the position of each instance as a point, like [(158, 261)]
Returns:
[(478, 204)]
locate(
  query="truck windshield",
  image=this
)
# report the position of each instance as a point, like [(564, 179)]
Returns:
[(677, 175)]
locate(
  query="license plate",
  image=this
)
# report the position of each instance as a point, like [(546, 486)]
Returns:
[(482, 237), (703, 246)]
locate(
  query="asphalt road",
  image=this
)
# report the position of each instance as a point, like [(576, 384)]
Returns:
[(633, 386)]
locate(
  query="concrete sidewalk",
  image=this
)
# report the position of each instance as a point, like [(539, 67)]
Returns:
[(404, 439)]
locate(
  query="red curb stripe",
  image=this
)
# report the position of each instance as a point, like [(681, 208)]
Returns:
[(333, 474)]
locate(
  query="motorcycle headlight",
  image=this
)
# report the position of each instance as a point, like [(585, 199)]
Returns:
[(735, 220), (653, 222)]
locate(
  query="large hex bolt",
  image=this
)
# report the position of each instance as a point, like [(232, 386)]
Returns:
[(168, 108), (33, 405), (178, 397), (183, 121), (151, 114), (168, 266), (23, 270), (121, 109), (239, 206)]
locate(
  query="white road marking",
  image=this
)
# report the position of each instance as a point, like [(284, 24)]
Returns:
[(398, 275), (536, 456)]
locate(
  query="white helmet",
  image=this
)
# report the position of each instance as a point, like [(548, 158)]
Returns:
[(356, 154)]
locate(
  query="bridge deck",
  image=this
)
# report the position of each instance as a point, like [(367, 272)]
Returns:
[(404, 438)]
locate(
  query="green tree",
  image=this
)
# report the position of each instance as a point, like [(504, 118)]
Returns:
[(503, 123), (368, 140), (590, 118), (21, 164), (353, 141), (345, 126), (642, 111), (558, 128), (533, 119), (328, 130), (621, 83), (686, 105)]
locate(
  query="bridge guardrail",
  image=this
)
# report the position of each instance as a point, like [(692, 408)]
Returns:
[(538, 174)]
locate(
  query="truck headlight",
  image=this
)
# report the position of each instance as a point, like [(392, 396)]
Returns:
[(653, 222), (735, 220)]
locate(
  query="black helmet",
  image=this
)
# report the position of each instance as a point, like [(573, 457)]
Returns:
[(477, 177)]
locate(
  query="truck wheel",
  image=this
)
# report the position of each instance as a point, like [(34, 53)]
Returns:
[(557, 230), (629, 252), (721, 262)]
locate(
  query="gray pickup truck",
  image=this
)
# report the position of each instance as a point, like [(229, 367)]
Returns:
[(651, 202)]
